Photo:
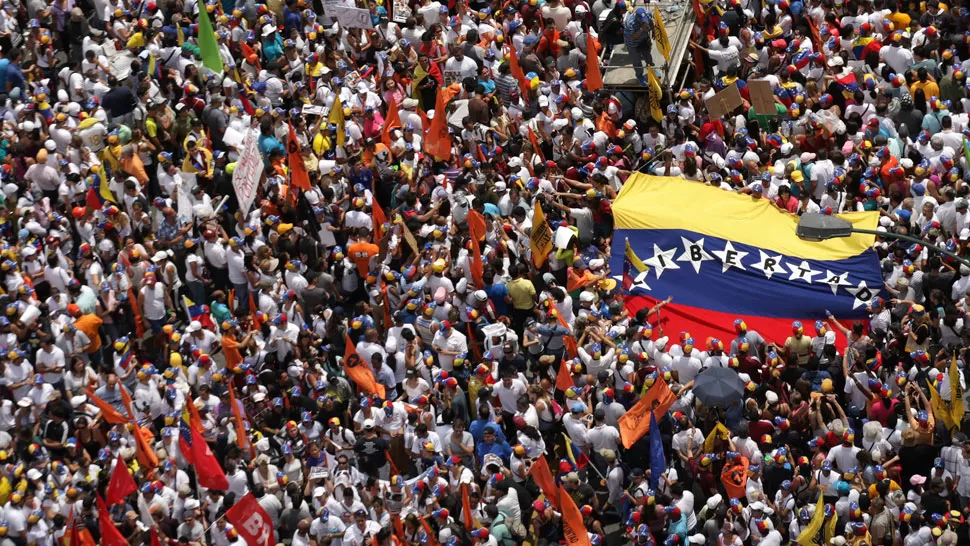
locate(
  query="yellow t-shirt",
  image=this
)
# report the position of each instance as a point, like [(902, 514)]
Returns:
[(523, 293), (137, 40)]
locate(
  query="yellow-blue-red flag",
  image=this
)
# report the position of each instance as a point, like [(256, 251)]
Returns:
[(739, 261)]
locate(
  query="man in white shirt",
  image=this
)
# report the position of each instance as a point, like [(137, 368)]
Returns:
[(459, 63), (449, 342)]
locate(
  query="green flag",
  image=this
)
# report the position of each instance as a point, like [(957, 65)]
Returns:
[(966, 151), (207, 42)]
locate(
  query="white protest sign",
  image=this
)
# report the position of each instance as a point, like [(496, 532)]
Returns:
[(563, 235), (401, 11), (245, 179), (314, 109), (353, 18)]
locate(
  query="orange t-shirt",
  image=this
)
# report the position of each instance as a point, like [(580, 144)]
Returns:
[(90, 324), (230, 348), (361, 253)]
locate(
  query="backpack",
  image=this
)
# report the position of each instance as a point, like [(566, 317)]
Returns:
[(612, 31), (557, 411)]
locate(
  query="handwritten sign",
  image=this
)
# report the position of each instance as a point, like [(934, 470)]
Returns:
[(724, 102), (762, 99), (354, 18), (249, 168)]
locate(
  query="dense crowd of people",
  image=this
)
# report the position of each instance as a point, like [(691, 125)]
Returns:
[(363, 329)]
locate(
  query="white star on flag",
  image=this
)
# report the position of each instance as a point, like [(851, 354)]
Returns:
[(836, 280), (863, 295), (769, 265), (662, 260), (638, 282), (694, 253), (803, 272), (730, 257)]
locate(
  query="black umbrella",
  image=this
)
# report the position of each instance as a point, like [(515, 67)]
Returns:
[(718, 387)]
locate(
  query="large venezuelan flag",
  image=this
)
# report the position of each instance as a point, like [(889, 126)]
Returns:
[(725, 256)]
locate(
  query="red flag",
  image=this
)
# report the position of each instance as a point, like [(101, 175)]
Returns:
[(156, 541), (108, 412), (251, 522), (574, 531), (594, 79), (393, 121), (698, 12), (516, 71), (91, 199), (207, 469), (294, 160), (110, 535), (438, 141), (121, 484), (247, 106), (360, 372), (564, 379), (378, 218), (466, 508), (542, 476), (476, 230)]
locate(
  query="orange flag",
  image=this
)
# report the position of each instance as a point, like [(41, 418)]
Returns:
[(378, 218), (564, 379), (516, 71), (476, 229), (574, 531), (108, 412), (636, 422), (734, 476), (432, 537), (398, 526), (136, 314), (257, 321), (438, 141), (248, 54), (542, 476), (572, 346), (143, 438), (392, 122), (594, 79), (126, 400), (535, 144), (242, 439), (294, 159), (386, 304), (143, 445), (816, 38), (360, 372), (466, 509)]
